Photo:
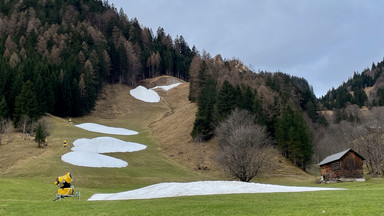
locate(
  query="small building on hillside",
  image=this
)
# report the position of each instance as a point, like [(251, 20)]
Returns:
[(343, 166)]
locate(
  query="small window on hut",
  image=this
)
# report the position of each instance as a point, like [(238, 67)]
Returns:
[(335, 165)]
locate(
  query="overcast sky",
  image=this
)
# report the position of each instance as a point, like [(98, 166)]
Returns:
[(324, 41)]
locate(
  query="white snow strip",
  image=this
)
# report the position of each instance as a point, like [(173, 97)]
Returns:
[(171, 189), (105, 129), (144, 94), (106, 145), (91, 159), (167, 87), (86, 152)]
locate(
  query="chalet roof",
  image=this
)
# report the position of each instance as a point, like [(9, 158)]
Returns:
[(336, 157)]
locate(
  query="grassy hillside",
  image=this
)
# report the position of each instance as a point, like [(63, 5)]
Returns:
[(27, 188), (145, 167)]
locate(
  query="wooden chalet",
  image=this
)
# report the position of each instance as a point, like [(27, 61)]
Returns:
[(343, 166)]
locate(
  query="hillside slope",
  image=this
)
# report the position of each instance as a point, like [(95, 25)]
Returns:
[(168, 122), (173, 133)]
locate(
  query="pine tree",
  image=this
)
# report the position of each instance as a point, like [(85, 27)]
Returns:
[(248, 99), (26, 103), (257, 111), (42, 132), (204, 123), (226, 101), (359, 97), (40, 135), (380, 94), (311, 110), (3, 109), (239, 97), (293, 138)]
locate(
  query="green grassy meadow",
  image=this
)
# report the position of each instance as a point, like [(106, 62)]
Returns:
[(29, 190), (20, 198)]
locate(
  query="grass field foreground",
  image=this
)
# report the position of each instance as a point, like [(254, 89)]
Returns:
[(24, 197)]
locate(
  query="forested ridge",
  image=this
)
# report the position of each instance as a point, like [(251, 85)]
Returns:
[(56, 55), (285, 105), (362, 89)]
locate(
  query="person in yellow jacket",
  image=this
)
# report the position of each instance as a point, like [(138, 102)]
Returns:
[(65, 143)]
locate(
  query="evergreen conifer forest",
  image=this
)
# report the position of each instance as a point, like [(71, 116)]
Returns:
[(61, 53)]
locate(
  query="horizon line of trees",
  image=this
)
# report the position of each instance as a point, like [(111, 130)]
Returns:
[(352, 91)]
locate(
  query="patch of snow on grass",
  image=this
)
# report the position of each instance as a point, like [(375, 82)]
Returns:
[(86, 152), (168, 87), (144, 94), (91, 159), (106, 145), (105, 129), (171, 189)]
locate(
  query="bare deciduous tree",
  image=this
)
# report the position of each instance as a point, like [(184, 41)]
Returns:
[(365, 137), (25, 121), (371, 145), (242, 145), (14, 60), (194, 69), (153, 63), (5, 126)]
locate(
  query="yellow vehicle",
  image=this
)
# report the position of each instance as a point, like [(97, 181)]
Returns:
[(66, 189)]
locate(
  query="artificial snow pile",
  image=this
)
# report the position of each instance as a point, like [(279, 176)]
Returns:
[(144, 94), (149, 95), (87, 152), (171, 189), (106, 145), (105, 129), (167, 87), (91, 159)]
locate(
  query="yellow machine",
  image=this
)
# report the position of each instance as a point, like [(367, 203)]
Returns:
[(66, 189)]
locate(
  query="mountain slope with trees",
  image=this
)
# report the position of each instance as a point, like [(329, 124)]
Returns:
[(362, 89), (280, 102), (62, 52), (56, 56)]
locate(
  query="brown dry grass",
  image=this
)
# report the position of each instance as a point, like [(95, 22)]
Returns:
[(17, 149), (168, 122), (160, 81), (173, 132), (20, 150), (116, 106)]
